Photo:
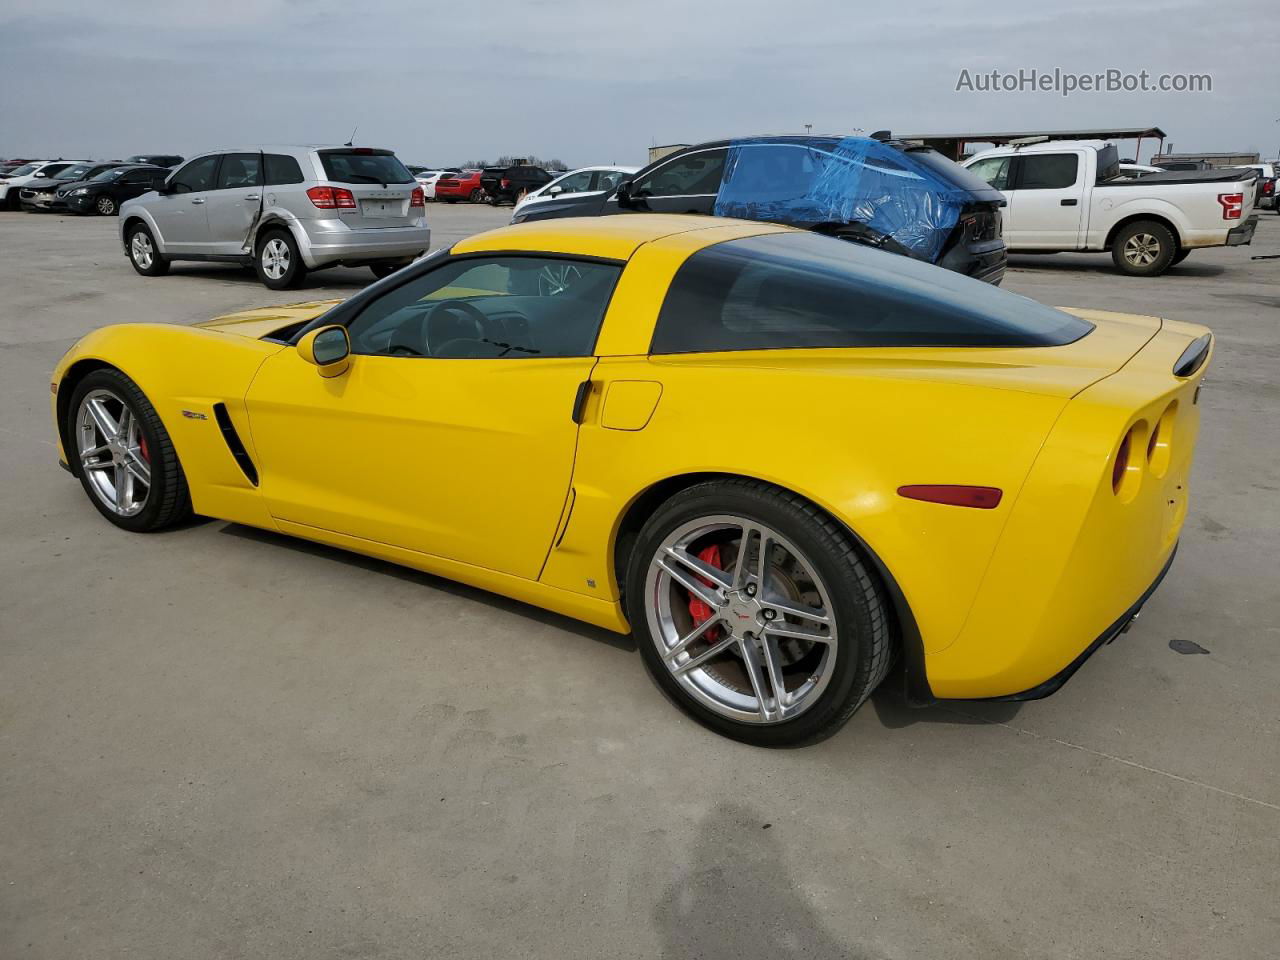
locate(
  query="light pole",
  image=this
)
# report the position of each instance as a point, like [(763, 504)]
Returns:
[(808, 127)]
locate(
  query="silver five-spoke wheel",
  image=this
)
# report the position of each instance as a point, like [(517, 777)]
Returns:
[(741, 618), (113, 452), (142, 250), (275, 258)]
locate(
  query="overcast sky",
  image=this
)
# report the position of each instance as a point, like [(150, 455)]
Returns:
[(594, 81)]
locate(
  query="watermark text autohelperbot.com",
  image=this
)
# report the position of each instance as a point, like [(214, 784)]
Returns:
[(1065, 83)]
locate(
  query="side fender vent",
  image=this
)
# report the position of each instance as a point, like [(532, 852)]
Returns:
[(234, 443)]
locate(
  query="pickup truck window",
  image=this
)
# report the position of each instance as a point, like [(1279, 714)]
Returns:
[(1048, 171), (994, 170)]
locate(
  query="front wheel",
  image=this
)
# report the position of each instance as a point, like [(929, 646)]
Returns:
[(754, 613), (1144, 249), (278, 263), (105, 206), (123, 454)]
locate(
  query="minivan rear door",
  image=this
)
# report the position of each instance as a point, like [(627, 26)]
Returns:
[(381, 185)]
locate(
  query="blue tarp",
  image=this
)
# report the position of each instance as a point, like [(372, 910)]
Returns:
[(808, 181)]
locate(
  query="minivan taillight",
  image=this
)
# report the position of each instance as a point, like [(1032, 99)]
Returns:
[(1232, 205), (417, 198), (332, 198)]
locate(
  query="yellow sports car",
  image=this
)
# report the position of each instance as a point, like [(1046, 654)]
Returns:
[(785, 462)]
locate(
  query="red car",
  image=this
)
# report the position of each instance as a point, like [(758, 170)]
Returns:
[(460, 186)]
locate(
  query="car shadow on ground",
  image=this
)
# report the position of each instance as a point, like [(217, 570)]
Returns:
[(452, 587), (736, 897), (1051, 263), (328, 279), (893, 711)]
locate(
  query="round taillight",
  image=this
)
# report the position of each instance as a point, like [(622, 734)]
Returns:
[(1121, 462)]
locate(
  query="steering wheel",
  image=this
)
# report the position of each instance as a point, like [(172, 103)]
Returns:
[(453, 320)]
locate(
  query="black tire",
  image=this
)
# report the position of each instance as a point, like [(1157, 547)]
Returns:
[(1181, 255), (138, 241), (381, 270), (265, 258), (106, 206), (476, 195), (1159, 245), (169, 499), (859, 609)]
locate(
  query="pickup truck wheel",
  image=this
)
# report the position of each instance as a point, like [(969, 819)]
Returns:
[(1143, 249), (278, 262)]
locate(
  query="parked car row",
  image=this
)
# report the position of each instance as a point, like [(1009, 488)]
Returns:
[(80, 186)]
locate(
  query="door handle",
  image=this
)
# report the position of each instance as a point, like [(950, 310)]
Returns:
[(1070, 203), (198, 200), (254, 196)]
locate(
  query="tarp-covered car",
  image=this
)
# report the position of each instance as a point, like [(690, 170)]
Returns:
[(907, 199)]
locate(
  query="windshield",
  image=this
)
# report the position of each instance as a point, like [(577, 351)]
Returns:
[(74, 172), (113, 174), (355, 166), (25, 170)]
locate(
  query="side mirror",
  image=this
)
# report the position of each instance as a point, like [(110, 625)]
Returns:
[(555, 191), (329, 348), (40, 173), (623, 194)]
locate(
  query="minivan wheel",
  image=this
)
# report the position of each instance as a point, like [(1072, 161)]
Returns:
[(277, 261), (105, 206), (144, 256), (1143, 249), (755, 613)]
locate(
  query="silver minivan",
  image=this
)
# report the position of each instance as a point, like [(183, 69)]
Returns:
[(283, 210)]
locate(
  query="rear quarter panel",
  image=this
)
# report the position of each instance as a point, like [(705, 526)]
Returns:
[(1192, 208)]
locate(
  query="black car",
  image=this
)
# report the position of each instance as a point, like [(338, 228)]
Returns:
[(38, 195), (885, 193), (156, 159), (509, 184), (105, 192)]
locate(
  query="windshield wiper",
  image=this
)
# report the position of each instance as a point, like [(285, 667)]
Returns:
[(365, 178)]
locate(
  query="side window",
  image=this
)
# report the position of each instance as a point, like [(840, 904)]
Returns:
[(195, 176), (692, 175), (240, 170), (994, 170), (607, 179), (801, 290), (281, 169), (1048, 171), (490, 307), (575, 183)]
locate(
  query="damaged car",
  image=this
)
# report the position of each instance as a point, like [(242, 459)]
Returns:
[(883, 193)]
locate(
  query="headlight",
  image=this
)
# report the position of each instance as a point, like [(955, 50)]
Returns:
[(80, 193)]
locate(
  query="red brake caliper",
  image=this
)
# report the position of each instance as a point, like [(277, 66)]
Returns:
[(699, 610), (142, 447)]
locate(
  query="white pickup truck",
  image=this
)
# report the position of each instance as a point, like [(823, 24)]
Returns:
[(1068, 195)]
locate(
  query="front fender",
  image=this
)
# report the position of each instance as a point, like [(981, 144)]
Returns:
[(183, 371)]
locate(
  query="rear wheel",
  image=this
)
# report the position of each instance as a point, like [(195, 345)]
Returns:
[(278, 262), (476, 195), (144, 256), (105, 206), (1144, 249), (755, 614), (123, 454)]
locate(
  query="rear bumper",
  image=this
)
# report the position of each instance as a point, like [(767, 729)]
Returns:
[(1121, 625), (1080, 551), (1243, 234), (985, 260), (326, 242)]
